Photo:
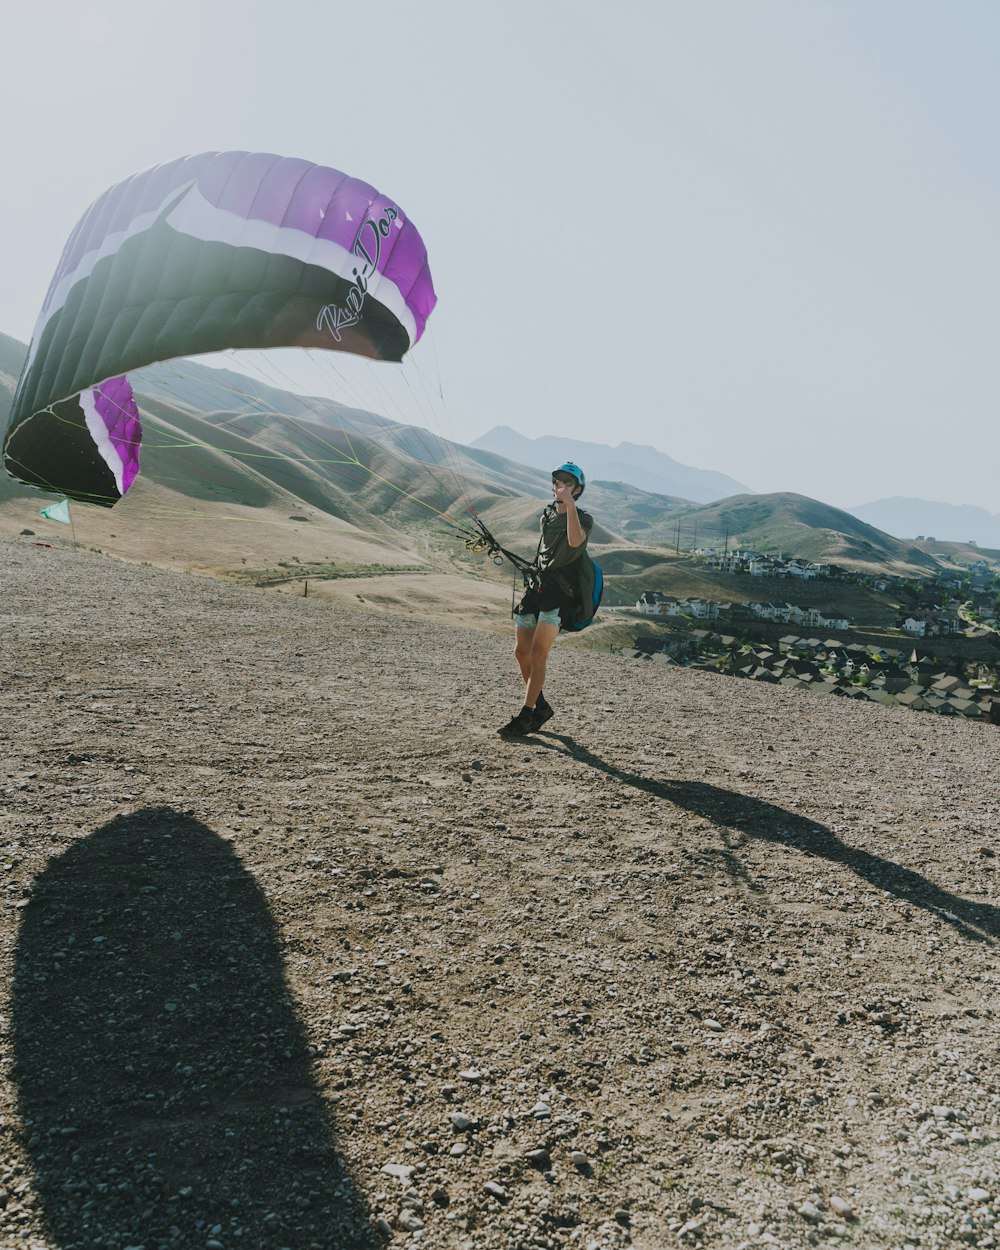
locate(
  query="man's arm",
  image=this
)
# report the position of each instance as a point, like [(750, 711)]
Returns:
[(575, 535)]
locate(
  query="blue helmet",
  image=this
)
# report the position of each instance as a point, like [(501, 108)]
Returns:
[(573, 470)]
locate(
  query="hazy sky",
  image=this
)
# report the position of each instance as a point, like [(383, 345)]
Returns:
[(762, 235)]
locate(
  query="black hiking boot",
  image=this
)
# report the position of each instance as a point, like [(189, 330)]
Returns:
[(519, 726), (543, 712)]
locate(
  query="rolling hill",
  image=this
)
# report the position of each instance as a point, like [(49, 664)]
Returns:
[(796, 525), (219, 449)]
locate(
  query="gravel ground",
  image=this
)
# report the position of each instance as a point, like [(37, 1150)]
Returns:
[(298, 953)]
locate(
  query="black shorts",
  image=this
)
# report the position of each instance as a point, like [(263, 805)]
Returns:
[(549, 597)]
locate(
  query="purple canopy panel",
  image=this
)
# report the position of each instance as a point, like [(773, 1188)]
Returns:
[(113, 421)]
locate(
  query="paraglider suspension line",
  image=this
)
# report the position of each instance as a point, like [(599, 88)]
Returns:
[(485, 542)]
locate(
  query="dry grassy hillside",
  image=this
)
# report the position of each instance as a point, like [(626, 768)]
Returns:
[(803, 527), (153, 524), (297, 953)]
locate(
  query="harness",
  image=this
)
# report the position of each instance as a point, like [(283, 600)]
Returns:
[(531, 575)]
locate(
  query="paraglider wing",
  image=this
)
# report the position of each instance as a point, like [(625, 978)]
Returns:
[(206, 253)]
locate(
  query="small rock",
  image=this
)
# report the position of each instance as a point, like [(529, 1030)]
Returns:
[(580, 1160), (471, 1074), (978, 1195), (541, 1111), (401, 1171), (459, 1122), (496, 1190), (810, 1211), (840, 1206), (713, 1025), (539, 1159), (409, 1221)]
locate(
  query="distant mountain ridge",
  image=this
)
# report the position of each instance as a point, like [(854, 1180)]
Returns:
[(947, 522), (631, 463)]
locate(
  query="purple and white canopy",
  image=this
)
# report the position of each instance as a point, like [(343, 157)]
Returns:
[(206, 253)]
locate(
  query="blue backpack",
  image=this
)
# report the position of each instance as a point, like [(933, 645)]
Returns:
[(588, 599)]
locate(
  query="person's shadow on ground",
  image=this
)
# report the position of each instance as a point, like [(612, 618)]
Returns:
[(164, 1081), (753, 819)]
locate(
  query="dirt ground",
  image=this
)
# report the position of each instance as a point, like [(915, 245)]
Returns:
[(297, 953)]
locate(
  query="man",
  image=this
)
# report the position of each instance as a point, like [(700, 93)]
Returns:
[(565, 529)]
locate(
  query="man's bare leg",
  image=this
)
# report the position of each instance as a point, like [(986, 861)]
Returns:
[(541, 644), (522, 651)]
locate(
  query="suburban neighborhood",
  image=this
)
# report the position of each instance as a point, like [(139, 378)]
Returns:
[(956, 674)]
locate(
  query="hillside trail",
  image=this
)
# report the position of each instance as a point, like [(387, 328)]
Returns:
[(298, 953)]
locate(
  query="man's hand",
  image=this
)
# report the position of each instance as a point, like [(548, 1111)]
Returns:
[(563, 492)]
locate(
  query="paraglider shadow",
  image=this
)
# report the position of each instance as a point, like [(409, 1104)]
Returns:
[(753, 819), (164, 1080)]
